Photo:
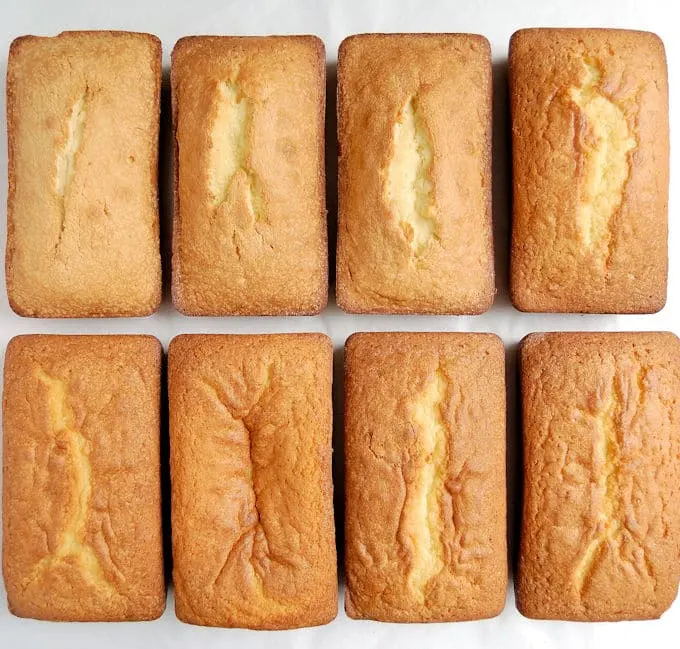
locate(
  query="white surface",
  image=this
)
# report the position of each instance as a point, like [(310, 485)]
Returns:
[(332, 21)]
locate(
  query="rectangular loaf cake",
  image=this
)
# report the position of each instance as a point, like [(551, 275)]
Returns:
[(590, 168), (82, 218), (425, 495), (414, 186), (250, 212), (601, 521), (253, 537), (81, 502)]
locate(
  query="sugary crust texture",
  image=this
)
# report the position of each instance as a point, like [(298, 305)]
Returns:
[(425, 422), (83, 114), (601, 519), (590, 216), (252, 493), (81, 498), (423, 100), (258, 246)]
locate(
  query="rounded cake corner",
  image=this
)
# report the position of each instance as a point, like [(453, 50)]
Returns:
[(154, 612), (350, 609), (16, 341), (330, 613), (346, 302), (14, 605), (161, 607), (21, 41), (153, 342), (521, 301), (316, 42), (149, 306), (494, 341), (353, 340), (349, 42), (525, 611), (518, 36), (495, 607), (185, 616), (654, 40), (178, 348), (319, 338), (153, 40), (657, 303), (180, 302), (319, 303), (183, 42), (526, 605), (530, 340), (481, 41), (178, 341), (485, 302), (18, 308)]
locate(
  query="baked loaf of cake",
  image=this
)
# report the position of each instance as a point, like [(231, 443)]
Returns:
[(425, 499), (414, 131), (250, 216), (82, 214), (81, 498), (590, 168), (601, 520), (253, 535)]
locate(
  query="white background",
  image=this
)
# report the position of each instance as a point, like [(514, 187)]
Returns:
[(332, 21)]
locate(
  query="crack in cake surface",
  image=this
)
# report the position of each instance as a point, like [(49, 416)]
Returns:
[(421, 517), (254, 533), (408, 185), (66, 159), (72, 542), (611, 529), (230, 175), (606, 141)]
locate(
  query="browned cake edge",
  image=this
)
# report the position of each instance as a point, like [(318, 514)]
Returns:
[(517, 292), (348, 303), (155, 303), (183, 344), (176, 281), (23, 340), (349, 351), (526, 607)]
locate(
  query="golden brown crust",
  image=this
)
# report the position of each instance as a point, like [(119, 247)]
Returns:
[(83, 113), (245, 251), (425, 423), (81, 478), (437, 87), (252, 493), (601, 520), (590, 208)]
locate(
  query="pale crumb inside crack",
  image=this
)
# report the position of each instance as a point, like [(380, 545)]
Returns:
[(229, 171), (606, 141), (420, 522), (72, 543), (66, 159), (408, 185)]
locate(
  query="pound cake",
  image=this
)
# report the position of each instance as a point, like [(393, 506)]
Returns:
[(590, 165), (414, 186), (250, 209), (253, 535), (82, 216), (600, 534), (81, 501), (425, 494)]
